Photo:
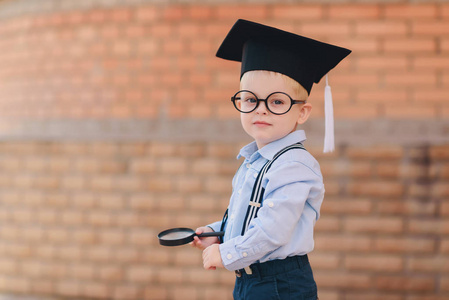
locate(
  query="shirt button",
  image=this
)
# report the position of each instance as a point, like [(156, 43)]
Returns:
[(248, 166), (245, 254), (240, 191), (229, 256), (271, 204), (255, 175), (232, 216)]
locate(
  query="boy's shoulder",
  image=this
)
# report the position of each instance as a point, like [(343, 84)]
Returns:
[(300, 158)]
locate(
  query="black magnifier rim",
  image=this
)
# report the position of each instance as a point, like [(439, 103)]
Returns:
[(176, 242)]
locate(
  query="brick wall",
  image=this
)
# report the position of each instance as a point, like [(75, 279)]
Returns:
[(114, 125)]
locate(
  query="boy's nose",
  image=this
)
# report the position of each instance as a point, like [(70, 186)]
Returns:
[(261, 108)]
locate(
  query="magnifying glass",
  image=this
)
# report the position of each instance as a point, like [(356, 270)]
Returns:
[(181, 236)]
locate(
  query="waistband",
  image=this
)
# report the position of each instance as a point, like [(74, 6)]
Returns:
[(275, 267)]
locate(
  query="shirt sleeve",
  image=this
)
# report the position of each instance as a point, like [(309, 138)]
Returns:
[(215, 226), (288, 187)]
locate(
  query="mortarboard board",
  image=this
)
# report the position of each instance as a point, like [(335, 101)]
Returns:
[(261, 47)]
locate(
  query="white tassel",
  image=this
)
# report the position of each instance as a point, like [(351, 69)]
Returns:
[(329, 139)]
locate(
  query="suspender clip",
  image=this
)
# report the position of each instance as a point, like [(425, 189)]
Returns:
[(256, 204)]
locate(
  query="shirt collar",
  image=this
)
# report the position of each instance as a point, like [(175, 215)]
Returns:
[(274, 147)]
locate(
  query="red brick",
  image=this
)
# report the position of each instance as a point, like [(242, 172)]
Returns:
[(429, 226), (328, 223), (10, 267), (324, 261), (429, 264), (328, 280), (365, 295), (430, 28), (354, 11), (411, 46), (444, 283), (414, 208), (440, 190), (42, 286), (146, 14), (431, 62), (16, 284), (156, 292), (340, 206), (252, 12), (128, 255), (387, 170), (82, 271), (120, 15), (445, 79), (374, 224), (342, 242), (411, 11), (333, 188), (401, 283), (319, 30), (135, 31), (359, 80), (68, 288), (439, 152), (170, 275), (298, 12), (421, 79), (376, 188), (96, 290), (173, 12), (199, 12), (406, 112), (433, 96), (444, 246), (140, 273), (375, 263), (382, 63), (404, 245), (161, 30), (185, 292), (381, 28), (444, 209), (356, 112)]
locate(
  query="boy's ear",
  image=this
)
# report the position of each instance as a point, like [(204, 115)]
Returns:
[(304, 113)]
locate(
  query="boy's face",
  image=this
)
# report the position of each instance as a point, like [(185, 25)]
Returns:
[(261, 124)]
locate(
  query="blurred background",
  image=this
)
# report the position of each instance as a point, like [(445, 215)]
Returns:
[(116, 122)]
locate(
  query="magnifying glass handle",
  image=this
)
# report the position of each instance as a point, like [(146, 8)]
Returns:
[(215, 233)]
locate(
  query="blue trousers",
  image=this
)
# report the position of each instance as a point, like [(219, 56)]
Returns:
[(289, 278)]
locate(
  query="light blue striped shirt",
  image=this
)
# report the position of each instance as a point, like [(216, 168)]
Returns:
[(291, 204)]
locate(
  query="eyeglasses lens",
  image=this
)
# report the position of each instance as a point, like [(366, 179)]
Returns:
[(278, 103)]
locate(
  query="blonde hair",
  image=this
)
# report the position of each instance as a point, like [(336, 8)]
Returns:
[(299, 90)]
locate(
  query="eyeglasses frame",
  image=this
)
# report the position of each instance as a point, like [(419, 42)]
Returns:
[(292, 102)]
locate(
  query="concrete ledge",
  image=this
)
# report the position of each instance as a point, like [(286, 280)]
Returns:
[(397, 132)]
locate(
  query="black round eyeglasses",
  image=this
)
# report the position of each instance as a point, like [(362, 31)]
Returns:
[(277, 103)]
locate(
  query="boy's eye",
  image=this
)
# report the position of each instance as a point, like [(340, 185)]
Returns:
[(277, 102), (251, 100)]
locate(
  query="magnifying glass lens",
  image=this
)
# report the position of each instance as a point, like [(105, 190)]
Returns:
[(176, 235)]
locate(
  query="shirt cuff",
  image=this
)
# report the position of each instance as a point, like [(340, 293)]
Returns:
[(234, 258)]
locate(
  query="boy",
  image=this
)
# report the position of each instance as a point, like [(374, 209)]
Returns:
[(278, 190)]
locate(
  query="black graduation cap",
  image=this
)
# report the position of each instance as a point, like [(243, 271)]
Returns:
[(261, 47)]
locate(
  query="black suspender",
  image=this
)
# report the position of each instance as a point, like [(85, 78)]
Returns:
[(257, 194)]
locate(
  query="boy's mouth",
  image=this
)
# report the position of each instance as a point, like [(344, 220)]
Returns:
[(261, 123)]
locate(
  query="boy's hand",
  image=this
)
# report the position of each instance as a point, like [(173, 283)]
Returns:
[(203, 243), (212, 257)]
